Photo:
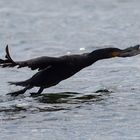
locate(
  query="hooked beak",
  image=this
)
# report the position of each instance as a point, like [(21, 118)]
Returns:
[(131, 51)]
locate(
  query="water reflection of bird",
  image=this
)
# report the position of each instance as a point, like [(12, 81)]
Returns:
[(52, 70)]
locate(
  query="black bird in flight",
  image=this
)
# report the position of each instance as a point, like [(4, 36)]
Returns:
[(52, 70)]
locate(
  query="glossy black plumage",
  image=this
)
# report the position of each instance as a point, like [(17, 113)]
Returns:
[(52, 70)]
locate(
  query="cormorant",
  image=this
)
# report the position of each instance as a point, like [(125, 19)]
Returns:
[(52, 70)]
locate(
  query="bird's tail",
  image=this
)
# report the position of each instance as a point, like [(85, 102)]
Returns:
[(20, 83)]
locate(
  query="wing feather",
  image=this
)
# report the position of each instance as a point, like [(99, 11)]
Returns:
[(35, 63)]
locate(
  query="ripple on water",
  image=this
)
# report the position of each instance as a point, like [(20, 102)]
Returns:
[(12, 107)]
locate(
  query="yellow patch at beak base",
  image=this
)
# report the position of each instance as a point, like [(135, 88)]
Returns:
[(114, 54)]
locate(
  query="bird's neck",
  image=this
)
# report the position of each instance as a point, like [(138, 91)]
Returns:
[(97, 55)]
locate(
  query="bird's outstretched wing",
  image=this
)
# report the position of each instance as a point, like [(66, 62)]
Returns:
[(36, 63)]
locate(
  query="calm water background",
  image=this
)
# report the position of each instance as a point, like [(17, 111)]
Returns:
[(72, 110)]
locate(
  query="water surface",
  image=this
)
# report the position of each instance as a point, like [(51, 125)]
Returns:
[(72, 110)]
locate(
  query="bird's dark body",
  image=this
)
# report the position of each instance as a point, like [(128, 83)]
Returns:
[(52, 70), (59, 70)]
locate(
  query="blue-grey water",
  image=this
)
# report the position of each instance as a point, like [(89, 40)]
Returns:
[(72, 110)]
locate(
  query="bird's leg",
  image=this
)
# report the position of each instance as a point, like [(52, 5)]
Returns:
[(39, 91), (22, 91)]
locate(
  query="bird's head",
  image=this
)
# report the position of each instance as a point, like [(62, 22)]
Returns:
[(131, 51), (110, 52), (128, 52), (105, 53), (114, 52)]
